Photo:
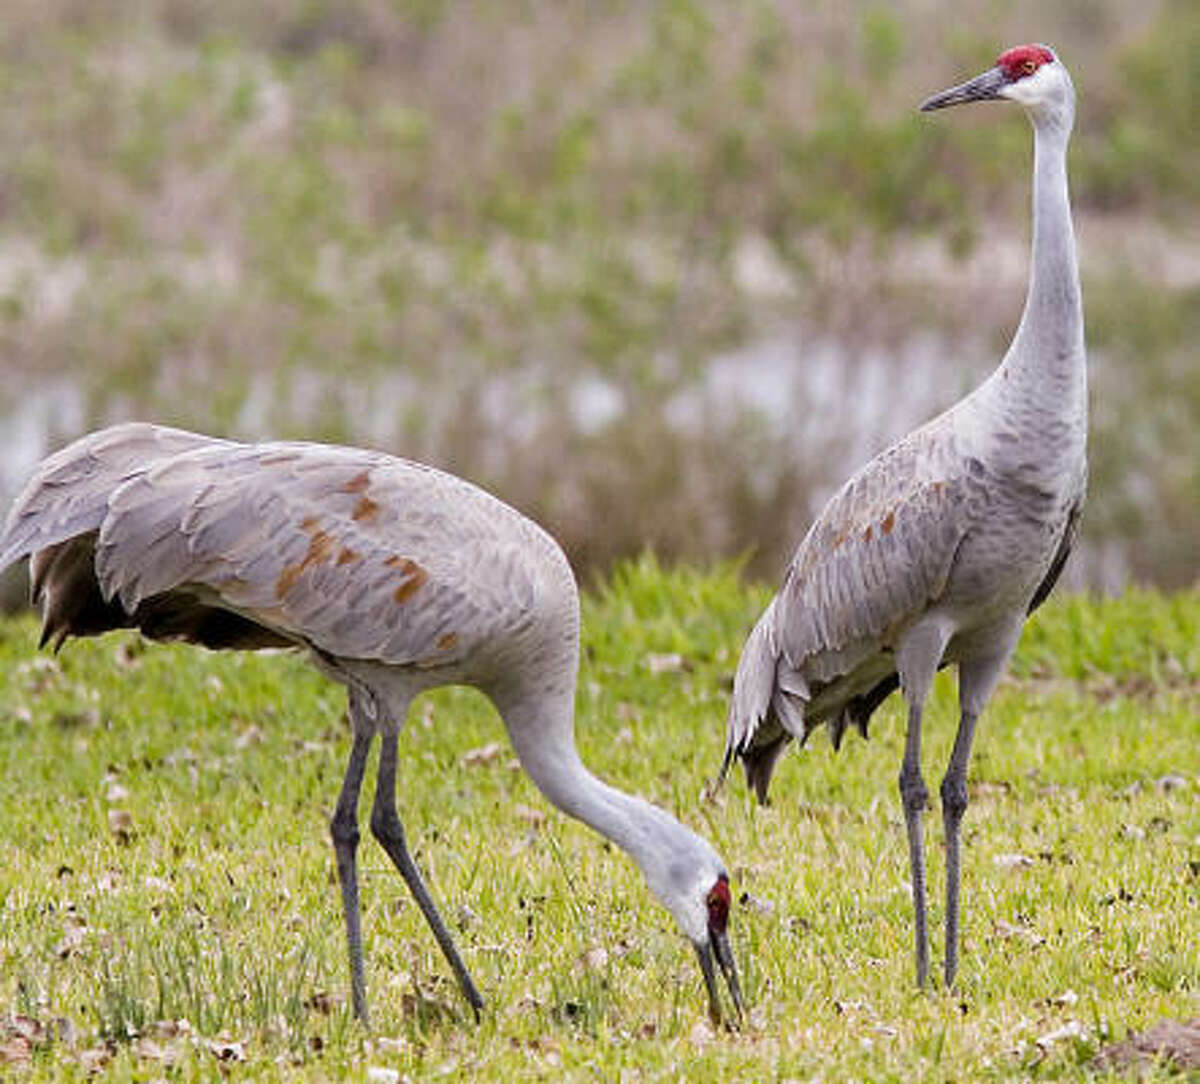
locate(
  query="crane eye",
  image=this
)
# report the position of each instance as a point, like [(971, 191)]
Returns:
[(1028, 67)]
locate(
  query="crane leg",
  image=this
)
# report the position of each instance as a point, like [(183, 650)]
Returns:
[(344, 829), (386, 826), (954, 804), (915, 797), (916, 662), (978, 675)]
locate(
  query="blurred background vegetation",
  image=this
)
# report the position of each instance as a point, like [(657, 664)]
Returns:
[(658, 273)]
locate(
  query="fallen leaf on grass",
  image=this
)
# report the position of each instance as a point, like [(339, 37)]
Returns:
[(389, 1045), (148, 1049), (531, 816), (758, 906), (94, 1058), (668, 663), (485, 754), (72, 939), (116, 794), (596, 958), (16, 1050), (120, 823), (1072, 1029), (252, 735), (1012, 861), (224, 1049), (1009, 930)]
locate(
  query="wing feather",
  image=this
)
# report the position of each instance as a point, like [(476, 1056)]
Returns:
[(878, 555), (356, 552)]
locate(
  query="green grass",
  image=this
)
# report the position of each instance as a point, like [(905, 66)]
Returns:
[(168, 898), (441, 228)]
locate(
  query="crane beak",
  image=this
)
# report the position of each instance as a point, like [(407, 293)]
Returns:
[(982, 88), (717, 947)]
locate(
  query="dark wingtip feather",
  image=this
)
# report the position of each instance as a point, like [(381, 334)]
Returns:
[(725, 762), (759, 763), (837, 729)]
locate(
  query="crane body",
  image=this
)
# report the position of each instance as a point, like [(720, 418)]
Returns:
[(934, 553), (394, 577)]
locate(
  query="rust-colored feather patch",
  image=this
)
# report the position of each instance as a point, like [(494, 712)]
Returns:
[(413, 576), (889, 521), (320, 548), (447, 641), (365, 510), (346, 555), (358, 483)]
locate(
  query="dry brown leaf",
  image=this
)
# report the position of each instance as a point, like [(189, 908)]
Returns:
[(16, 1050), (252, 735), (120, 823), (1072, 1029), (1009, 930), (115, 794), (535, 817), (596, 958), (757, 905), (379, 1074), (668, 663), (94, 1058), (485, 754), (225, 1049), (1012, 861), (149, 1050), (389, 1045)]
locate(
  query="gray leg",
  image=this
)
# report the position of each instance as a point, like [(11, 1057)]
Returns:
[(954, 804), (977, 678), (915, 797), (386, 826), (917, 661), (344, 829)]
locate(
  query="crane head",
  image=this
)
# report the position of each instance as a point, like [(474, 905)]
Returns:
[(690, 881), (1029, 74), (715, 947)]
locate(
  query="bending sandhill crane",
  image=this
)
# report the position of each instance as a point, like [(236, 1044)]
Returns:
[(395, 578), (936, 550)]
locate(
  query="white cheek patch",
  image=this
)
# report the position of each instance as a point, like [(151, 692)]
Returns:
[(1033, 88)]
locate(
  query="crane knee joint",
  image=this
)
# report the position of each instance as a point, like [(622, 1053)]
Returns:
[(344, 832), (913, 791), (954, 795)]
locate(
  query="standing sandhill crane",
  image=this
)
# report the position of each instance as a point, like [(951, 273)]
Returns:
[(395, 577), (936, 551)]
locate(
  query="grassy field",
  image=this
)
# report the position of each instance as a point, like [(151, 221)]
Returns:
[(168, 904)]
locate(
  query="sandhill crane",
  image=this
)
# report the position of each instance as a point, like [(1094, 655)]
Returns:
[(936, 550), (395, 578)]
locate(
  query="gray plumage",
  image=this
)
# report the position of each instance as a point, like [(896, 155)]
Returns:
[(934, 553), (393, 576)]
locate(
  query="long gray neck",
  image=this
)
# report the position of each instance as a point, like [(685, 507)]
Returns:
[(1048, 347), (542, 733)]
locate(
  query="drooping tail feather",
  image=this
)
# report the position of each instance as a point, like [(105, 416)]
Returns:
[(763, 717), (56, 518), (69, 492)]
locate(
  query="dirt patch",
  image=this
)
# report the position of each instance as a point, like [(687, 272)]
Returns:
[(1174, 1042)]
